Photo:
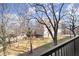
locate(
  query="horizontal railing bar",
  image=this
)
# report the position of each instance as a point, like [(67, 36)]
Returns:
[(53, 49)]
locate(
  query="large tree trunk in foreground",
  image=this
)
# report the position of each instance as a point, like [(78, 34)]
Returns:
[(55, 39), (55, 36)]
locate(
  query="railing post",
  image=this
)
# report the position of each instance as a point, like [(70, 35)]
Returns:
[(74, 49), (55, 53)]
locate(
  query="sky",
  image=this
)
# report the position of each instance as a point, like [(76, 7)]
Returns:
[(15, 8)]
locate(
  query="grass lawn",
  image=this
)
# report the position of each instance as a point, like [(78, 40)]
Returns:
[(24, 46)]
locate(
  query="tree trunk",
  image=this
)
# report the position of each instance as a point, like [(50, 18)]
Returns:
[(70, 34), (55, 38), (74, 33), (55, 35), (4, 49), (30, 45), (9, 42)]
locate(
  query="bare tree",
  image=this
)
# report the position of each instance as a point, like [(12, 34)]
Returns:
[(49, 12), (29, 34), (71, 21), (3, 8), (24, 16)]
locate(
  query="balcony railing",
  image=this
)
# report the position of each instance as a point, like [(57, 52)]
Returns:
[(67, 48)]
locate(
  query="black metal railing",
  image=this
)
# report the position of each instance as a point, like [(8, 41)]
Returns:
[(67, 48)]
